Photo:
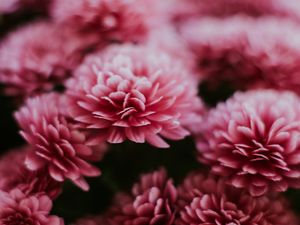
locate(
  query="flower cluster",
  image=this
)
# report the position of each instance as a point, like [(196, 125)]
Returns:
[(81, 77)]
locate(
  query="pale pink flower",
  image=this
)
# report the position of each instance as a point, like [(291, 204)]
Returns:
[(208, 200), (152, 202), (57, 144), (113, 20), (39, 56), (16, 175), (135, 93), (253, 139), (17, 208), (250, 52)]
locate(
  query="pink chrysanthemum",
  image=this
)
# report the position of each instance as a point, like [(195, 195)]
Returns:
[(17, 208), (113, 20), (57, 145), (207, 200), (152, 202), (253, 140), (15, 175), (249, 53), (39, 56), (134, 93)]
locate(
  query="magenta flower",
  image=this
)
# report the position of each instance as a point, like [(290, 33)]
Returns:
[(16, 175), (37, 57), (253, 140), (134, 93), (250, 52), (117, 20), (152, 202), (17, 209), (57, 145), (208, 200)]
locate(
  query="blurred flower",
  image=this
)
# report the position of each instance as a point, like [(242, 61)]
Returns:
[(15, 175), (249, 53), (57, 145), (208, 200), (113, 20), (10, 6), (185, 9), (17, 209), (134, 93), (39, 56), (152, 202), (253, 139), (96, 220)]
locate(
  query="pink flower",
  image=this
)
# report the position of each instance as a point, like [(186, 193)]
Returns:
[(113, 20), (134, 93), (252, 139), (16, 209), (57, 145), (208, 200), (152, 202), (249, 53), (15, 175), (39, 56)]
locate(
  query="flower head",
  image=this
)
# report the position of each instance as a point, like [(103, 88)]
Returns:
[(57, 144), (152, 202), (16, 175), (133, 93), (39, 56), (113, 20), (250, 53), (208, 200), (17, 208), (252, 139)]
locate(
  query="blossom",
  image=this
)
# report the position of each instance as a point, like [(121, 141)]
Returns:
[(250, 53), (113, 20), (208, 200), (152, 202), (252, 139), (16, 175), (134, 93), (17, 208), (37, 57), (57, 144)]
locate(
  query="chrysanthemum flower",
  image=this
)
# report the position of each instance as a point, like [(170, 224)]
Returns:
[(208, 200), (249, 53), (39, 56), (133, 93), (16, 175), (113, 20), (17, 208), (57, 145), (152, 202), (253, 140)]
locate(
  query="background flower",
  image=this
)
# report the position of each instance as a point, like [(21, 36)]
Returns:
[(16, 208), (252, 139), (208, 200)]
